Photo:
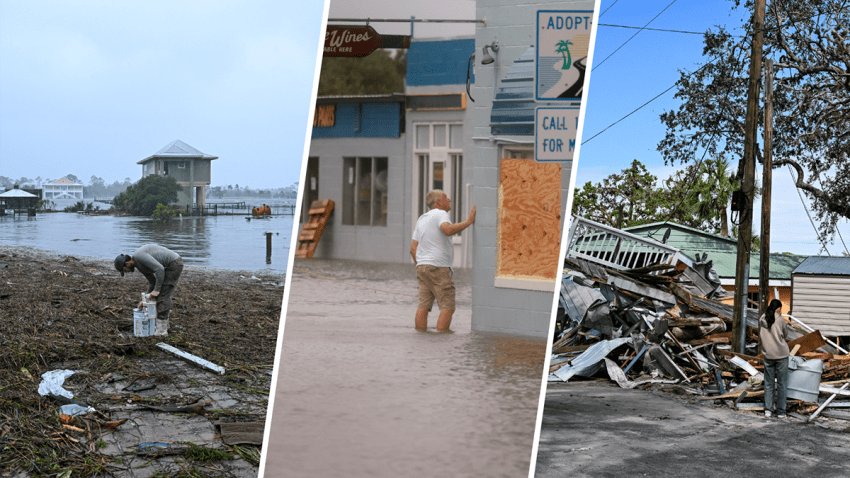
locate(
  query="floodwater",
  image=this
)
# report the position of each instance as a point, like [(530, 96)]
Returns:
[(222, 242), (361, 393)]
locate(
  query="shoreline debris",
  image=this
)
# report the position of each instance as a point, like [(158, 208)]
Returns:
[(631, 306)]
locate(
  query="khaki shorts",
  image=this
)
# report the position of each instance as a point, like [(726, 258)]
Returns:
[(435, 282)]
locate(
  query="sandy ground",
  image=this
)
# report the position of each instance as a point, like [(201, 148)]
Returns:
[(596, 429), (65, 312)]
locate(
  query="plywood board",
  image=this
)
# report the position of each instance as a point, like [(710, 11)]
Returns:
[(529, 232)]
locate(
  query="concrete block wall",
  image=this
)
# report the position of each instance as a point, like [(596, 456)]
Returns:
[(506, 310)]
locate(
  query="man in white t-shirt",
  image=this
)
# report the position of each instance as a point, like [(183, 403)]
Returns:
[(433, 254)]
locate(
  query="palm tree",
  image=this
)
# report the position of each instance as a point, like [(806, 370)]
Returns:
[(564, 46), (702, 195)]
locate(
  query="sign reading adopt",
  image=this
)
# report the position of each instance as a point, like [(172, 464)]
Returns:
[(359, 41)]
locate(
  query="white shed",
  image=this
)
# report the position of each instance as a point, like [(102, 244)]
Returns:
[(820, 294)]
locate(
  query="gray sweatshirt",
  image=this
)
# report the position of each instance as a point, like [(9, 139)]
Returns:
[(773, 340), (151, 260)]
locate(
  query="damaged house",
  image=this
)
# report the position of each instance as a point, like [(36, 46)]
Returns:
[(722, 253), (641, 311)]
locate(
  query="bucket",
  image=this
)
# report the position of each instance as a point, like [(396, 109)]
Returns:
[(144, 319), (804, 378), (143, 326)]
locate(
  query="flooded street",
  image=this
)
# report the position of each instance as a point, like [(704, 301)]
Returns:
[(222, 242), (361, 393)]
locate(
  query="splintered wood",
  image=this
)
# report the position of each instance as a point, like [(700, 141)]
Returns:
[(529, 233)]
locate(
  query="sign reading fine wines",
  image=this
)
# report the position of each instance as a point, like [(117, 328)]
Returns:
[(351, 41)]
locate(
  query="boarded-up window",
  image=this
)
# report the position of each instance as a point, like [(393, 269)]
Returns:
[(325, 116), (529, 232)]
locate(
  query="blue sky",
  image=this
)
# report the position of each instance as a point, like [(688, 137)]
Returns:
[(92, 87), (645, 67)]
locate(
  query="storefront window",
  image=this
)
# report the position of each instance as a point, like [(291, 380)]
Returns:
[(365, 191)]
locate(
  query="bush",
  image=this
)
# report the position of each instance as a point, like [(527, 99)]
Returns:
[(142, 198), (45, 205), (78, 206), (163, 213)]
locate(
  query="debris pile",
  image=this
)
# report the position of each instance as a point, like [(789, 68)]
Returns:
[(67, 323), (670, 324)]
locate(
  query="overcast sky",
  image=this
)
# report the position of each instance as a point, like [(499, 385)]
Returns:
[(396, 10), (92, 87), (644, 68)]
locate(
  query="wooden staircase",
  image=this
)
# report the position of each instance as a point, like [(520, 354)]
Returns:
[(311, 232)]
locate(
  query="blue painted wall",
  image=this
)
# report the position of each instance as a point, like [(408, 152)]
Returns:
[(439, 62), (364, 120)]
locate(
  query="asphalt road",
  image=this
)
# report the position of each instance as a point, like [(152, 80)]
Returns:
[(596, 429)]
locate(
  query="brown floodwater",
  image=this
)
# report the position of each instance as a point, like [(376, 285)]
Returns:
[(361, 393)]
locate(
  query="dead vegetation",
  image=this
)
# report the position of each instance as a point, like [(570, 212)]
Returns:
[(59, 311)]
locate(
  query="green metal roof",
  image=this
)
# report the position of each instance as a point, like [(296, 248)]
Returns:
[(687, 239), (781, 265)]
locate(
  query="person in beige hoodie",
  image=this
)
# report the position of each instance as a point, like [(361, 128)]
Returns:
[(773, 334)]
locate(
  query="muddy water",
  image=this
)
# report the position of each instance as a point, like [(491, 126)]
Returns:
[(361, 393), (222, 242)]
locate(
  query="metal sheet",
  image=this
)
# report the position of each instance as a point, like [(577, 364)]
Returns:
[(586, 305), (824, 265), (203, 363), (591, 360)]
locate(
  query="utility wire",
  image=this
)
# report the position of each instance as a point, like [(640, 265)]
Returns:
[(636, 34), (823, 242), (652, 29), (633, 112), (811, 155), (609, 8)]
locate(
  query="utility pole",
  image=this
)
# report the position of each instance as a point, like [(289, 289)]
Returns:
[(745, 230), (767, 179)]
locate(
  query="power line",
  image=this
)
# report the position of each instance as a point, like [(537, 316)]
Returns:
[(609, 8), (821, 241), (652, 29), (633, 111), (636, 34)]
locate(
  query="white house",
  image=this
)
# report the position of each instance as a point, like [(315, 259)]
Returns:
[(62, 189)]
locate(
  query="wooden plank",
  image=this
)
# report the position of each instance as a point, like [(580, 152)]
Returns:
[(250, 433), (575, 348), (808, 343), (529, 211), (716, 340)]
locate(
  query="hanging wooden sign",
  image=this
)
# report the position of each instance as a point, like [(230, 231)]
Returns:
[(359, 41), (342, 40)]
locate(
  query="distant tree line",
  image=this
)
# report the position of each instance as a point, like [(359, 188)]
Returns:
[(96, 188), (235, 191)]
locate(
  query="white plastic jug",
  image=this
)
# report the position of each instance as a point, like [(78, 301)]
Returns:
[(144, 319)]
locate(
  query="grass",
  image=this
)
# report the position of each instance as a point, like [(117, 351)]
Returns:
[(205, 454)]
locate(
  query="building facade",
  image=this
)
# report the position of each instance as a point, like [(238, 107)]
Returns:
[(62, 189), (191, 168), (521, 203), (821, 294)]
